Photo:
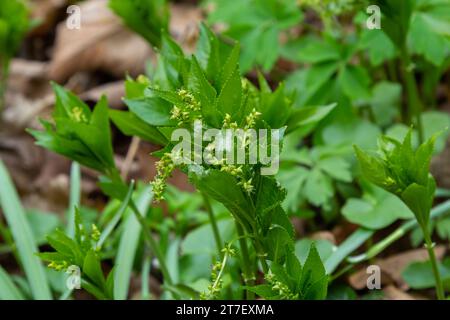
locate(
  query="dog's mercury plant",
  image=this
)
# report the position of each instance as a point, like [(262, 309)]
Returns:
[(147, 18), (164, 168), (81, 251), (405, 172), (216, 274), (204, 91), (208, 86)]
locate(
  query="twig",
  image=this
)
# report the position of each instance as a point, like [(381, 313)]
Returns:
[(132, 150)]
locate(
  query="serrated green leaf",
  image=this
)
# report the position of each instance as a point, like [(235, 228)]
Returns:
[(152, 110), (314, 281), (229, 100), (92, 268), (147, 18), (223, 187), (130, 125), (278, 242)]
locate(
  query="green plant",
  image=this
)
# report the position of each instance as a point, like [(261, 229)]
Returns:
[(81, 252), (404, 172), (14, 23), (416, 27), (207, 86), (257, 25), (147, 18), (243, 233)]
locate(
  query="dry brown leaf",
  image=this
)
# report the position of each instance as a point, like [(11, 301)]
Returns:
[(23, 113), (27, 69), (22, 158), (114, 91), (28, 78), (102, 43), (184, 21), (358, 280), (393, 266), (46, 12)]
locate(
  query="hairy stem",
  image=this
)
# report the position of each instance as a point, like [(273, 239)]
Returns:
[(249, 276), (415, 104), (437, 277), (438, 211)]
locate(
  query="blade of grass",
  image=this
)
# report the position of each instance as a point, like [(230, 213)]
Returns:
[(438, 211), (145, 276), (172, 259), (172, 262), (357, 238), (23, 237), (115, 220), (74, 200), (8, 290), (353, 242), (127, 247)]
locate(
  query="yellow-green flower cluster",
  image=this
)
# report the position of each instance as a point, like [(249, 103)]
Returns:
[(164, 168), (95, 235), (58, 265), (232, 169), (247, 185), (250, 120), (216, 274), (237, 171), (216, 283), (228, 123), (229, 251), (77, 115), (189, 111), (143, 80), (281, 288)]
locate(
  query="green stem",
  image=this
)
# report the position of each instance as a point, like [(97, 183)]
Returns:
[(249, 277), (92, 289), (214, 225), (430, 248), (414, 101), (152, 243), (438, 211), (262, 256), (341, 272), (392, 72), (222, 268)]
